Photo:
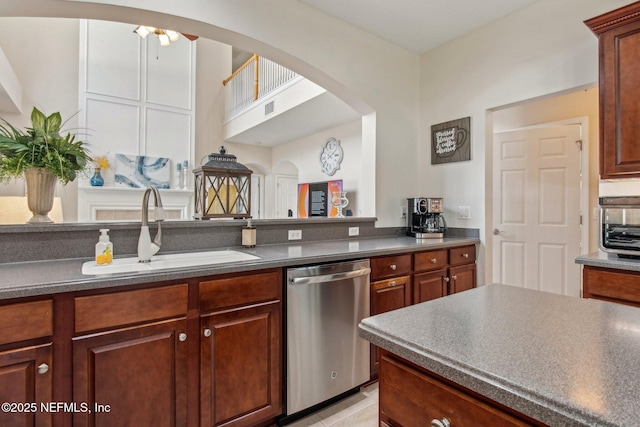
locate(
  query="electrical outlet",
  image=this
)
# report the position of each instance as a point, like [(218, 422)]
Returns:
[(295, 234), (403, 212), (354, 231)]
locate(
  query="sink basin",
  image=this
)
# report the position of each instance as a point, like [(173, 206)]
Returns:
[(167, 261)]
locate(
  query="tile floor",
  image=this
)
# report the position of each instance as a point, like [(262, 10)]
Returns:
[(357, 410)]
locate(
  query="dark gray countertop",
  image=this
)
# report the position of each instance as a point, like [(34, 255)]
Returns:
[(609, 260), (560, 360), (24, 279)]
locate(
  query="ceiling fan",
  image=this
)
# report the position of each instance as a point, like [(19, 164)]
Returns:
[(165, 36)]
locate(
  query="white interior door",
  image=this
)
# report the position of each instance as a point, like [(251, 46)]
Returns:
[(536, 208), (286, 196)]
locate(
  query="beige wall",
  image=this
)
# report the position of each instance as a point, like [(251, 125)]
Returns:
[(304, 153), (539, 51), (49, 79)]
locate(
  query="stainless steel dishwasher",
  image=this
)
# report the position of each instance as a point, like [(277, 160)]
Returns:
[(325, 355)]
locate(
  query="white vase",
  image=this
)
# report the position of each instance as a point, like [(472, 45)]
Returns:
[(41, 186)]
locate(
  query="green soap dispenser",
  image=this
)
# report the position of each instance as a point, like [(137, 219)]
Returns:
[(104, 248)]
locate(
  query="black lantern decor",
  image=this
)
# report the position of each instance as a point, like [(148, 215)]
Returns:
[(223, 188)]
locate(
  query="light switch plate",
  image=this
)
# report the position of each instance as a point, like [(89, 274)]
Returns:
[(464, 212), (354, 231)]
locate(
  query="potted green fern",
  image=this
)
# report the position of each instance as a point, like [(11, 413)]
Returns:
[(43, 156)]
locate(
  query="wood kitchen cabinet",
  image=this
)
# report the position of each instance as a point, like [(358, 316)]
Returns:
[(401, 280), (411, 396), (130, 358), (205, 352), (25, 363), (619, 60), (611, 285), (443, 272), (390, 293), (241, 350)]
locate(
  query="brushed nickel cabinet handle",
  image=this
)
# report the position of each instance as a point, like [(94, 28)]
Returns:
[(393, 266), (454, 277), (434, 260), (207, 332), (392, 283), (182, 337), (465, 255), (446, 279), (43, 368)]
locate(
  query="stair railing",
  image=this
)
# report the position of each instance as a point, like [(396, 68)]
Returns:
[(253, 80)]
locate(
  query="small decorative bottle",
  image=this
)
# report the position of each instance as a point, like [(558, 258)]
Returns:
[(177, 180), (96, 179), (185, 172)]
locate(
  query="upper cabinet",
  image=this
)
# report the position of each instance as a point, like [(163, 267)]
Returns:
[(619, 46)]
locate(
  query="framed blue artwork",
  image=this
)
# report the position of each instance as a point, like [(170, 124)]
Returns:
[(142, 171)]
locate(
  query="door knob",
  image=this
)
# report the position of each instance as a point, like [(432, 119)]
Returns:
[(496, 231)]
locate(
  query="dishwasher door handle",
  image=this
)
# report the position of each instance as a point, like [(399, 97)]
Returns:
[(329, 277)]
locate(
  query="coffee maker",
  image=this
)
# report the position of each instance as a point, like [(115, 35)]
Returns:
[(424, 218)]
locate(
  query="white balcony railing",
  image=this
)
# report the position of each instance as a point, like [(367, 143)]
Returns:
[(254, 80)]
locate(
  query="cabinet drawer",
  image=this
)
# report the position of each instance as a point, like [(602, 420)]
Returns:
[(241, 290), (391, 283), (412, 398), (387, 266), (612, 285), (25, 321), (431, 260), (129, 307), (463, 255)]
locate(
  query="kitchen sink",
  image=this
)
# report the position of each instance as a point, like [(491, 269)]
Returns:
[(167, 261)]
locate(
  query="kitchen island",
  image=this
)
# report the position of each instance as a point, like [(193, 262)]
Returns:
[(536, 357)]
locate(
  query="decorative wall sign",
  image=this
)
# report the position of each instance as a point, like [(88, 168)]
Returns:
[(331, 156), (142, 171), (450, 141), (314, 199)]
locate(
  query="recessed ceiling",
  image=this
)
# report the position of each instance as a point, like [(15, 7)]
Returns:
[(418, 25)]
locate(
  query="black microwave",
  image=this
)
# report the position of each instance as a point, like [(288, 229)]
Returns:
[(620, 225)]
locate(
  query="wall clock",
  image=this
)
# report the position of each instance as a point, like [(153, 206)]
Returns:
[(331, 156)]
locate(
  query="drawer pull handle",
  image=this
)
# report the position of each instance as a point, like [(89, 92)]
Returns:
[(465, 255), (207, 332), (43, 368), (434, 260), (440, 423), (392, 283), (182, 337), (393, 266)]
